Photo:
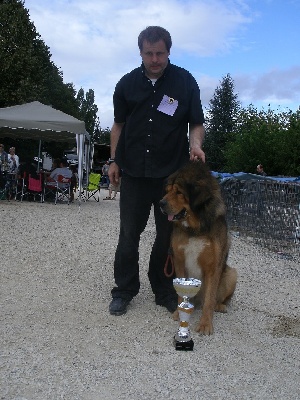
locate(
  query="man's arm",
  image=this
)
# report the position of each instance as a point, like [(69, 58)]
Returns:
[(197, 134), (114, 170)]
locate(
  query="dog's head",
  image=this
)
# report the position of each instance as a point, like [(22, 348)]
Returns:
[(192, 196)]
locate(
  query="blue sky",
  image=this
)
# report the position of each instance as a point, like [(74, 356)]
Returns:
[(94, 43)]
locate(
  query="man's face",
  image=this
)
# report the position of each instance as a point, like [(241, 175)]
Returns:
[(155, 58)]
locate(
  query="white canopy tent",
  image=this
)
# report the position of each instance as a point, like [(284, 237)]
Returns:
[(40, 122)]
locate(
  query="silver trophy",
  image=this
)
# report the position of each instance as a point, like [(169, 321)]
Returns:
[(185, 288)]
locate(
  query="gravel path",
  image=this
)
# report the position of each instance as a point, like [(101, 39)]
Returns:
[(58, 341)]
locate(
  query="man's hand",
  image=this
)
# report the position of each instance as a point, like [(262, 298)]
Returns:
[(114, 174), (197, 134), (197, 154)]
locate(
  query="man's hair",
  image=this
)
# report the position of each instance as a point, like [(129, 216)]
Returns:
[(64, 161), (153, 34)]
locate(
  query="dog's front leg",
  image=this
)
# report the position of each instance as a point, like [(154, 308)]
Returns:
[(205, 325)]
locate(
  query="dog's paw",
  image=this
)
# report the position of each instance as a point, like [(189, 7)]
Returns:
[(175, 315), (221, 308), (205, 328)]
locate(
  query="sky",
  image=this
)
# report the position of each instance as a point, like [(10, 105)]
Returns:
[(94, 43)]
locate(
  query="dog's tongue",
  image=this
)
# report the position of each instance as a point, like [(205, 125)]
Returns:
[(170, 217)]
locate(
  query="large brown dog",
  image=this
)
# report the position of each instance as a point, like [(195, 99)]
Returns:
[(200, 241)]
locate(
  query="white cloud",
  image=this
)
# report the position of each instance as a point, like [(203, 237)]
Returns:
[(277, 87), (95, 42)]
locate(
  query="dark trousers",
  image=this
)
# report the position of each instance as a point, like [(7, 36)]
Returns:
[(137, 195)]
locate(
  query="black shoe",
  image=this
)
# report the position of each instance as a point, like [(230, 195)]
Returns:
[(170, 303), (118, 306)]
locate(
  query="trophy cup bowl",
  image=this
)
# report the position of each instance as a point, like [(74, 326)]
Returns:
[(185, 288)]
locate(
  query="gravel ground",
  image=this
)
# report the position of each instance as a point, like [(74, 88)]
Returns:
[(58, 341)]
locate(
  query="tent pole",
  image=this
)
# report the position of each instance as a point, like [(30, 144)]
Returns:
[(39, 155)]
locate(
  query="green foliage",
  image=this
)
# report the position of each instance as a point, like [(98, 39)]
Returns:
[(27, 72), (238, 139), (221, 120), (88, 111), (268, 138), (102, 136)]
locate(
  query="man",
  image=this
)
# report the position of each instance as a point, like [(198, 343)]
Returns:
[(3, 158), (260, 170), (105, 179), (3, 165), (63, 170), (153, 105)]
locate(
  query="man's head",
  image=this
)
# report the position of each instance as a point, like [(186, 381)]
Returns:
[(12, 150), (259, 168), (154, 34), (64, 162), (154, 43)]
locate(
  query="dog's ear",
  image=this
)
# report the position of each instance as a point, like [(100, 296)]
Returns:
[(200, 198), (169, 181), (199, 194)]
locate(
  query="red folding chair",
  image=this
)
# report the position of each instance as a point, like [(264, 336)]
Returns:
[(35, 187)]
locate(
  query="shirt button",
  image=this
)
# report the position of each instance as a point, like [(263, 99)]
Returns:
[(148, 151), (150, 120)]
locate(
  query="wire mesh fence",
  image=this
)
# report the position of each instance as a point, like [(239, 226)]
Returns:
[(267, 211)]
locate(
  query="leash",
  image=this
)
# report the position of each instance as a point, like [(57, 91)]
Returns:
[(169, 261)]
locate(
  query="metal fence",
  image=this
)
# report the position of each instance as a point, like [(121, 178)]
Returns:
[(267, 211)]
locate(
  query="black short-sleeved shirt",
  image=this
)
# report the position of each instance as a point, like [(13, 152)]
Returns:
[(153, 143)]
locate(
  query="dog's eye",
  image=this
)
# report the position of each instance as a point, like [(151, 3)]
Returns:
[(178, 192)]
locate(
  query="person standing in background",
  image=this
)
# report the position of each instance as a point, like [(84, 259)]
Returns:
[(260, 170), (13, 161)]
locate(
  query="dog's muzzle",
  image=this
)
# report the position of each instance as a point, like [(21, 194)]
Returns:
[(172, 217)]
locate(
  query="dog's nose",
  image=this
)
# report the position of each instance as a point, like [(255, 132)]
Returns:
[(162, 203)]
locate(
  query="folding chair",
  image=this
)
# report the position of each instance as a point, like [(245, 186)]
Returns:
[(21, 188), (35, 187), (63, 189), (50, 189), (92, 189)]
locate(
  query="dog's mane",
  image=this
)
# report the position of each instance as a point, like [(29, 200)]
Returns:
[(203, 192)]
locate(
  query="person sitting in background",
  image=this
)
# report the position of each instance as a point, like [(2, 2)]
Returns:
[(13, 161), (260, 170), (61, 170), (55, 164), (27, 168)]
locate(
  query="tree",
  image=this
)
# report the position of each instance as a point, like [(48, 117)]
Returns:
[(27, 72), (102, 136), (221, 123), (291, 145), (88, 111), (266, 137)]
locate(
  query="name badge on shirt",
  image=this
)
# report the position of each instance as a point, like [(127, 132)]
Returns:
[(168, 105)]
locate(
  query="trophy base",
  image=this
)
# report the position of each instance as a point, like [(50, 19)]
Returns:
[(185, 346)]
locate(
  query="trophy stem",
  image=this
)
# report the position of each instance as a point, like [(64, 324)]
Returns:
[(186, 288)]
